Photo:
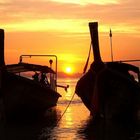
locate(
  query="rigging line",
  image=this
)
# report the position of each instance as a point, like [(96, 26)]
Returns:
[(66, 109), (86, 65), (55, 124), (85, 68)]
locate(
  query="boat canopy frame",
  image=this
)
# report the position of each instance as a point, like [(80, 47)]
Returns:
[(50, 61), (23, 56)]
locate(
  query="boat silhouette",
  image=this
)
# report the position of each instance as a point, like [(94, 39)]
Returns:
[(108, 89), (21, 96)]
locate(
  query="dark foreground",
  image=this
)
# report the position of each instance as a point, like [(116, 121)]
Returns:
[(50, 128), (76, 123)]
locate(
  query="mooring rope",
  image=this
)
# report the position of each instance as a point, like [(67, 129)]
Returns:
[(85, 68), (55, 124), (66, 109), (86, 65)]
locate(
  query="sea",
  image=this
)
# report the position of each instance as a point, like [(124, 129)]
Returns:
[(69, 120)]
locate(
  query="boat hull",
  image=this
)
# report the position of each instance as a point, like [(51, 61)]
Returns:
[(23, 96), (110, 94)]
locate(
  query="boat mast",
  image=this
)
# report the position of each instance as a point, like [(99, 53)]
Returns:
[(110, 35), (93, 26), (2, 63)]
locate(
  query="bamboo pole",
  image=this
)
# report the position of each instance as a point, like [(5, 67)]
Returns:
[(110, 35), (2, 64)]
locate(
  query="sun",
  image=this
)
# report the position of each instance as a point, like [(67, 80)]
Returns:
[(68, 70)]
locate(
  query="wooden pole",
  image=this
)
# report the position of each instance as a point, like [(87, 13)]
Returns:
[(2, 64), (110, 35)]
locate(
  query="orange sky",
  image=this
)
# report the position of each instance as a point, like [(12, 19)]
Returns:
[(61, 27)]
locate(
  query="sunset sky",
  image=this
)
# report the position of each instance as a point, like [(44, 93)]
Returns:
[(60, 27)]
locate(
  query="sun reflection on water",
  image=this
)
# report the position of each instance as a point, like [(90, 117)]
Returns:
[(75, 114), (68, 94), (68, 119)]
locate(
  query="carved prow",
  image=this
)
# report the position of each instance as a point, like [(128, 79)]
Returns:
[(93, 26)]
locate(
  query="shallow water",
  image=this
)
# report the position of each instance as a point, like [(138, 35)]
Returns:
[(75, 124)]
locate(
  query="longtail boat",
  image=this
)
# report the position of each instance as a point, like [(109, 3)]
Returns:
[(108, 89), (22, 96)]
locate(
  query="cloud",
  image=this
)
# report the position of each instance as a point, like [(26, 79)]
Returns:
[(52, 25), (86, 2), (35, 13)]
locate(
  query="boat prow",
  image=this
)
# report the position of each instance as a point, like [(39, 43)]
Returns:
[(109, 89)]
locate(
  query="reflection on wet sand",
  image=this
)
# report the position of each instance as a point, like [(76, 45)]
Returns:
[(108, 130)]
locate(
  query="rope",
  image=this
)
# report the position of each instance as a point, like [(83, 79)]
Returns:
[(66, 109), (55, 124), (85, 68)]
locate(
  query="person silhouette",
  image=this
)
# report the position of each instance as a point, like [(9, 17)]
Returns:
[(44, 79), (35, 77)]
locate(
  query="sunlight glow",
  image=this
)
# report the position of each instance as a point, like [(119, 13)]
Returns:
[(78, 26), (68, 70), (4, 1), (69, 58), (53, 25), (85, 2)]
